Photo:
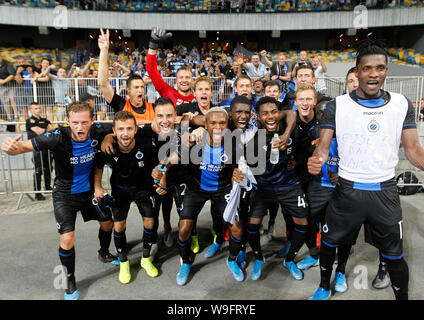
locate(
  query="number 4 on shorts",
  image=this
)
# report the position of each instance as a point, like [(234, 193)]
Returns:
[(301, 202)]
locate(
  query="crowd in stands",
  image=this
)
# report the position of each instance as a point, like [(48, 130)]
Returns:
[(215, 6), (58, 77)]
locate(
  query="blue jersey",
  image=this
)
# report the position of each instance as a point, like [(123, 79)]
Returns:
[(73, 160), (215, 170)]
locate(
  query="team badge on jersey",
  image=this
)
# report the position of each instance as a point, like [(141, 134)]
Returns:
[(289, 141), (325, 228), (116, 159), (139, 155), (224, 158), (94, 143), (373, 126), (32, 120)]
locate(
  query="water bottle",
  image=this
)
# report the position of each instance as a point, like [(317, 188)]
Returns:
[(242, 165), (275, 152)]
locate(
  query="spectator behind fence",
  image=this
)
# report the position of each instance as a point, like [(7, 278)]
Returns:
[(100, 110), (45, 92), (209, 68), (62, 90), (254, 69), (24, 93), (281, 70), (319, 69), (35, 126), (302, 60), (233, 73), (7, 92)]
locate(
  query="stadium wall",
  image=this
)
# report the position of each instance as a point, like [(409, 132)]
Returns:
[(182, 21)]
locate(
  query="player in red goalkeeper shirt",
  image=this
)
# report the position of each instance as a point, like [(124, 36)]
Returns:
[(183, 80)]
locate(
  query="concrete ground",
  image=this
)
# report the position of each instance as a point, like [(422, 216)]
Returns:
[(29, 244)]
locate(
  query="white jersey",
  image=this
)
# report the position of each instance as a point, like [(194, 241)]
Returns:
[(368, 134)]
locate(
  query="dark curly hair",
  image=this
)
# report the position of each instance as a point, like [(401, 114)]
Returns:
[(370, 47)]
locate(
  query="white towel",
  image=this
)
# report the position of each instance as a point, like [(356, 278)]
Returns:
[(231, 210)]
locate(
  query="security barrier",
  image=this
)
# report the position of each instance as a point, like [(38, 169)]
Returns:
[(28, 174)]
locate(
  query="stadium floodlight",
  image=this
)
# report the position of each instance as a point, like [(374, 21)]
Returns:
[(275, 33)]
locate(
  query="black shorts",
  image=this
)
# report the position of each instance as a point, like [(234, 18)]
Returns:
[(318, 199), (144, 200), (244, 208), (67, 205), (379, 210), (178, 192), (293, 202), (177, 179), (195, 198)]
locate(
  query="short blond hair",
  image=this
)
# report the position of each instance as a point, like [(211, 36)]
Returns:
[(304, 87), (202, 79)]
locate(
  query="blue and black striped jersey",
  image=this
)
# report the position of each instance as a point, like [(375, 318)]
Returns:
[(73, 160)]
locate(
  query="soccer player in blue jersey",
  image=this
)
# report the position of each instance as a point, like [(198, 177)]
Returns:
[(212, 176), (73, 150), (367, 192)]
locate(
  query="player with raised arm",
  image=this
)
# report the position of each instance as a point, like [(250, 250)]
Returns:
[(136, 104), (183, 79)]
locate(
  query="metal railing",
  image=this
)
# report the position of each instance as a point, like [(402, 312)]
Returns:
[(24, 175), (17, 173), (54, 96)]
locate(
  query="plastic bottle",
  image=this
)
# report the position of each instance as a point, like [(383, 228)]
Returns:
[(242, 165), (275, 152)]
